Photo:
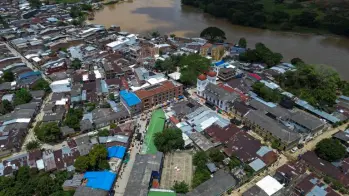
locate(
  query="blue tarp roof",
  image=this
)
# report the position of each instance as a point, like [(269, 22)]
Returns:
[(28, 74), (100, 180), (219, 63), (130, 98), (116, 152)]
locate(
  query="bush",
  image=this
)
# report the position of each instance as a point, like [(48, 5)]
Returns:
[(169, 140), (180, 187), (32, 145)]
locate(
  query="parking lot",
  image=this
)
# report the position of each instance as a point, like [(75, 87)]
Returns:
[(177, 167)]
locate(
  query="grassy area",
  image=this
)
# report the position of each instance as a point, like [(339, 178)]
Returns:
[(157, 123)]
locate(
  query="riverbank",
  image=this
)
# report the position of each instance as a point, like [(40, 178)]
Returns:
[(308, 17), (171, 17)]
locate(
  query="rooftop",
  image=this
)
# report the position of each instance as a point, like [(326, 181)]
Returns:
[(103, 180), (130, 98)]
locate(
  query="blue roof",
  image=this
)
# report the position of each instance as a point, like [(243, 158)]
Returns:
[(263, 150), (317, 191), (28, 74), (257, 164), (104, 86), (100, 180), (130, 98), (219, 63), (116, 152), (320, 113), (344, 97)]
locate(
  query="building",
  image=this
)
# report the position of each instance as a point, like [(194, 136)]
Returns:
[(131, 101), (226, 74), (217, 185), (103, 180), (271, 129), (159, 93), (268, 186), (212, 50), (313, 185), (145, 174)]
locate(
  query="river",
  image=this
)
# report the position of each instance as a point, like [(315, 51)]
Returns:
[(169, 16)]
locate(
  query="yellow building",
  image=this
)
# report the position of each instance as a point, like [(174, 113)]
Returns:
[(214, 51)]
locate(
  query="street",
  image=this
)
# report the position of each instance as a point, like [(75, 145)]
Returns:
[(269, 171), (123, 176), (24, 60)]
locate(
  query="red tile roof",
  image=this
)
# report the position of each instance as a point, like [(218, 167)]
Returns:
[(256, 76)]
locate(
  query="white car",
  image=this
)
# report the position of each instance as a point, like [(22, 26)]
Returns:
[(294, 149)]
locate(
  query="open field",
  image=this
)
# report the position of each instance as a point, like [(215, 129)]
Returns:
[(177, 167)]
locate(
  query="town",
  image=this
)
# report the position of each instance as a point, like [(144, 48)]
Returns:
[(94, 110)]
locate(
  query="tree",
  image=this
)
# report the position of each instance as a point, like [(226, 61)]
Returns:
[(48, 132), (261, 54), (76, 64), (306, 18), (5, 107), (242, 42), (234, 162), (200, 158), (22, 96), (216, 155), (180, 187), (200, 176), (73, 118), (191, 66), (169, 140), (296, 61), (8, 76), (35, 4), (82, 163), (32, 145), (213, 34), (330, 150), (155, 34), (173, 36), (103, 133), (97, 155), (112, 96), (113, 126), (41, 84)]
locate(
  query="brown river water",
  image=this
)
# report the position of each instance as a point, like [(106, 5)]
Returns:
[(169, 16)]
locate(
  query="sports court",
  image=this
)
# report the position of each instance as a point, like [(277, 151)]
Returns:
[(156, 124), (177, 166)]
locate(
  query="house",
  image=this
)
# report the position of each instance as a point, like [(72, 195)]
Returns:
[(217, 185), (131, 101), (212, 50), (146, 170), (226, 74), (102, 180), (313, 185), (265, 187), (324, 168), (271, 129), (74, 183), (343, 137)]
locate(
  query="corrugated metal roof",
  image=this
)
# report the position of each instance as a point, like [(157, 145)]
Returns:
[(257, 164), (263, 150)]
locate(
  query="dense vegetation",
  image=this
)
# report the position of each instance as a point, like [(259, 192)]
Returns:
[(95, 160), (169, 140), (28, 181), (22, 96), (266, 93), (32, 145), (5, 107), (330, 150), (41, 84), (297, 15), (201, 173), (315, 84), (73, 118), (190, 66), (261, 54), (213, 34), (48, 132), (180, 187)]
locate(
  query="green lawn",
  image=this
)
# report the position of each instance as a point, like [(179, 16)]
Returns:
[(157, 123)]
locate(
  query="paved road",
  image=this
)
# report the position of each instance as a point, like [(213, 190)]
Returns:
[(312, 144), (124, 175), (24, 60)]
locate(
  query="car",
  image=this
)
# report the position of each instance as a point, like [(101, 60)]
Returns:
[(294, 149)]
